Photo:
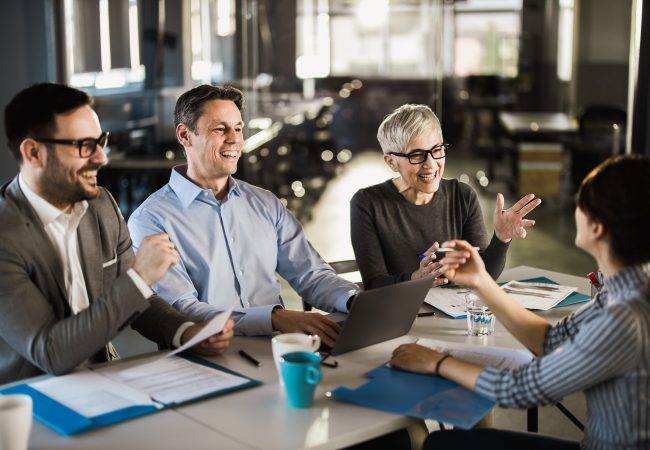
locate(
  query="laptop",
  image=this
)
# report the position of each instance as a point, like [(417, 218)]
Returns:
[(380, 314)]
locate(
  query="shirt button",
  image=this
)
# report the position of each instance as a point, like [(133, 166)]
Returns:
[(241, 272)]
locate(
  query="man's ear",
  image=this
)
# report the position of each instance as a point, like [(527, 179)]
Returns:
[(33, 153), (184, 135), (390, 162)]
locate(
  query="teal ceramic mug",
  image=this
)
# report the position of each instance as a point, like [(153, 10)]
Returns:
[(301, 373)]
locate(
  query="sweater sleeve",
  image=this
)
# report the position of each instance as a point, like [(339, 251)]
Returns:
[(494, 254), (367, 244)]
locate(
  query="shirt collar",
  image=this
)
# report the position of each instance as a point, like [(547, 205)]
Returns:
[(187, 191), (47, 212), (628, 282)]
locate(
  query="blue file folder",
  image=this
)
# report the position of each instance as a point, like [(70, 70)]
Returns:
[(419, 396), (68, 422)]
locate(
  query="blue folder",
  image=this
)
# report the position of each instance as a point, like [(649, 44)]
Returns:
[(68, 422), (419, 396)]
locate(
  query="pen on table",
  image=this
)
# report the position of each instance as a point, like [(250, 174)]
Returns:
[(426, 314), (249, 358)]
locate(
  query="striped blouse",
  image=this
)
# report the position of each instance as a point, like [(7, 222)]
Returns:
[(602, 349)]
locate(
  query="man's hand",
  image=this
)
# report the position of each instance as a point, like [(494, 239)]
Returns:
[(510, 223), (155, 256), (215, 344), (287, 321)]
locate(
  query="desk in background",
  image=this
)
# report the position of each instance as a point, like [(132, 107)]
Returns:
[(539, 159), (259, 418)]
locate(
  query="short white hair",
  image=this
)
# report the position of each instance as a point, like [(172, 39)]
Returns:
[(403, 125)]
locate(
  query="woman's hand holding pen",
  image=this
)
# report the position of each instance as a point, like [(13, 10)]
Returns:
[(428, 267)]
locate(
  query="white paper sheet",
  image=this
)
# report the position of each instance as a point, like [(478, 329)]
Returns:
[(91, 394), (450, 301), (173, 379), (502, 358), (541, 296), (214, 326)]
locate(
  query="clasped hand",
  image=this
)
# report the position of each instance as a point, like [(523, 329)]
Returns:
[(429, 266)]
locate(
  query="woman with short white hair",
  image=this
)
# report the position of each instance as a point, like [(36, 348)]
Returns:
[(397, 225)]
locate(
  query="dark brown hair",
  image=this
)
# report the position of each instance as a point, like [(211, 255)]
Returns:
[(189, 106), (616, 194), (31, 112)]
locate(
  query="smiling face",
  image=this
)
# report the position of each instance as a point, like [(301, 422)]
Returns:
[(66, 178), (214, 148), (419, 182)]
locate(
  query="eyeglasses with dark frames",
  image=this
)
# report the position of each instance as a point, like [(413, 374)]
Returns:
[(87, 146), (438, 151)]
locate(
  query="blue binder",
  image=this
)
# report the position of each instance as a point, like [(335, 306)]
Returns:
[(419, 396), (68, 422)]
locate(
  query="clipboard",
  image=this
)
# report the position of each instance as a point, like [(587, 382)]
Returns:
[(67, 421)]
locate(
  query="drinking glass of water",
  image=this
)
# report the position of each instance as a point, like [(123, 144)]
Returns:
[(480, 320)]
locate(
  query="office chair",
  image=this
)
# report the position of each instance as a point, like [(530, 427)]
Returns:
[(601, 134)]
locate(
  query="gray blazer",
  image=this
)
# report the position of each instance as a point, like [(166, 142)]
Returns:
[(38, 333)]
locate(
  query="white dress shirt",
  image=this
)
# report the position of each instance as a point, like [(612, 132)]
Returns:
[(61, 228)]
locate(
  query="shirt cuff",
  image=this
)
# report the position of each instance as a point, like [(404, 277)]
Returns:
[(176, 341), (486, 383), (341, 304), (256, 321), (142, 286)]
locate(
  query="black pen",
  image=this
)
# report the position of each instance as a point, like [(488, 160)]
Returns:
[(249, 358), (426, 314)]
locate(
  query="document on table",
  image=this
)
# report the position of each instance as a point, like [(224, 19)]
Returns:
[(173, 379), (91, 394), (541, 296), (99, 396), (450, 301), (502, 358)]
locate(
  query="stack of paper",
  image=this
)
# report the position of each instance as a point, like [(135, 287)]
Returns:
[(540, 296), (450, 301)]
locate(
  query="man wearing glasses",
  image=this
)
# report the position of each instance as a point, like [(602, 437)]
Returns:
[(397, 224), (68, 279)]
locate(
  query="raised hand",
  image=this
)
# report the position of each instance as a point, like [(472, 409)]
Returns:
[(155, 256), (463, 266), (511, 223)]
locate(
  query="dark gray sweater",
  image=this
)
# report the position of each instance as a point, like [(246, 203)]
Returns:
[(388, 231)]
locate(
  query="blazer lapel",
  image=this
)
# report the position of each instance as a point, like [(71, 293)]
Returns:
[(90, 252), (39, 239)]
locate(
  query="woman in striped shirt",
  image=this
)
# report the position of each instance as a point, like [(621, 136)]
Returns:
[(602, 349)]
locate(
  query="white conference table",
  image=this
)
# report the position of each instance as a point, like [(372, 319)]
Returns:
[(259, 417)]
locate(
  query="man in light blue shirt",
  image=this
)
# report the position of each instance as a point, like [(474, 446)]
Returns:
[(233, 237)]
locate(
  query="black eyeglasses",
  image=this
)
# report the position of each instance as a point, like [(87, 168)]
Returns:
[(86, 146), (419, 156)]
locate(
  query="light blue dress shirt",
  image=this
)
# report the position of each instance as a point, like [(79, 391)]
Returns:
[(230, 251)]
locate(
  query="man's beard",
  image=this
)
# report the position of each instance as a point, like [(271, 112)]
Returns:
[(56, 184)]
